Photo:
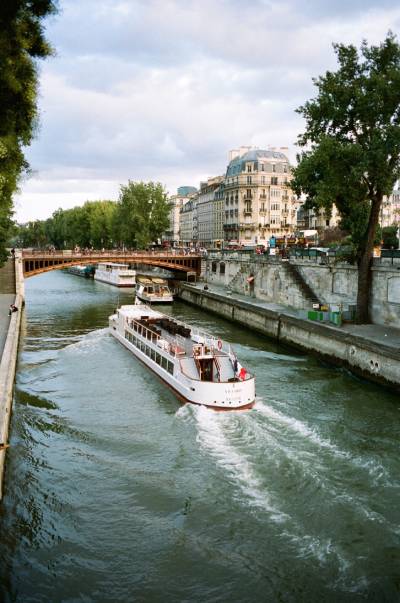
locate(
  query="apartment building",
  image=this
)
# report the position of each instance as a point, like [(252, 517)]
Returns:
[(184, 193), (205, 213), (186, 222), (258, 200), (317, 220), (390, 210)]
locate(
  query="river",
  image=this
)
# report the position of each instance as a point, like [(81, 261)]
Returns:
[(115, 492)]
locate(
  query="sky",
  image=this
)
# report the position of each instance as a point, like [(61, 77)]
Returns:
[(162, 89)]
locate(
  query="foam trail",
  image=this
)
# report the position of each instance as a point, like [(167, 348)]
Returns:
[(299, 427), (211, 437), (375, 469), (88, 341)]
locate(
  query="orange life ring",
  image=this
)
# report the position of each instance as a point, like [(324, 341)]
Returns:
[(219, 344)]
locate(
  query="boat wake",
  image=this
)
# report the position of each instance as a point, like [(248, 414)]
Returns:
[(212, 438), (271, 460)]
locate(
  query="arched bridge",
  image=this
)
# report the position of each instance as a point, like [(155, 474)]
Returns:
[(36, 262)]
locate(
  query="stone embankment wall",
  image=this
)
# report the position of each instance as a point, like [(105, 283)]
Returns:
[(373, 361), (8, 366), (332, 283)]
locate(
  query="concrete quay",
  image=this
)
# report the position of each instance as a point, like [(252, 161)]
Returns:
[(11, 291), (370, 351)]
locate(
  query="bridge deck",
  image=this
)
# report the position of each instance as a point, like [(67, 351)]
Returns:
[(36, 262)]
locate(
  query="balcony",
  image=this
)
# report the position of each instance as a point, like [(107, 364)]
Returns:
[(248, 197), (248, 212), (248, 225), (231, 226)]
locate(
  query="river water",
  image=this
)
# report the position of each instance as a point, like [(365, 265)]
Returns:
[(117, 493)]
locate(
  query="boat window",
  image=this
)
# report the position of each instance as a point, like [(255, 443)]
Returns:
[(164, 363), (147, 350), (170, 367), (153, 354), (158, 358)]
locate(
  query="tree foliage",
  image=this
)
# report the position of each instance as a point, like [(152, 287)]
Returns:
[(351, 145), (138, 218), (389, 237), (142, 213), (22, 41)]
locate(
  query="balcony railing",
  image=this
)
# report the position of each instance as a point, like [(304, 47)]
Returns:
[(248, 225)]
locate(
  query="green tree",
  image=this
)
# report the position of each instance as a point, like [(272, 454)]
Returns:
[(352, 146), (142, 214), (101, 214), (389, 237), (22, 41)]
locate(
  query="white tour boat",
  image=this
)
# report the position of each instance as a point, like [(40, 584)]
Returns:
[(119, 275), (152, 290), (198, 367)]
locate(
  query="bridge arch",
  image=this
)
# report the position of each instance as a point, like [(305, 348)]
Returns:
[(37, 262)]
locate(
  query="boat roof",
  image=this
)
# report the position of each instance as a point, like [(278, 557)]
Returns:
[(144, 280), (138, 310), (113, 264), (159, 281)]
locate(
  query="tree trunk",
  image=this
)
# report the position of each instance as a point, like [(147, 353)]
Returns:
[(364, 265)]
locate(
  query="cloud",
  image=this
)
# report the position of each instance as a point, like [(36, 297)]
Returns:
[(162, 89)]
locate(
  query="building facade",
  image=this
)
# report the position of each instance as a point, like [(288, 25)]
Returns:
[(310, 219), (205, 213), (186, 223), (258, 200), (390, 210), (173, 234)]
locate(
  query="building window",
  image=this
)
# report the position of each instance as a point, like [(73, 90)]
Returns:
[(273, 167), (214, 267), (249, 167), (248, 179), (262, 167), (222, 268), (274, 180)]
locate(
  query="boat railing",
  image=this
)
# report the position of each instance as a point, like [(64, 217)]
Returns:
[(173, 347)]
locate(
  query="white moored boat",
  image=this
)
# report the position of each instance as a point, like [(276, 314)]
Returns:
[(119, 275), (198, 367), (153, 290)]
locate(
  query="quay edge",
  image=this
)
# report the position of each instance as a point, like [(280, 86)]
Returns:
[(8, 364), (369, 359)]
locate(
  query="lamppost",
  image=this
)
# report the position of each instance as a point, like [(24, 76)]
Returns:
[(398, 236)]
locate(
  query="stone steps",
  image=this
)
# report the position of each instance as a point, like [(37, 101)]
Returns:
[(304, 287)]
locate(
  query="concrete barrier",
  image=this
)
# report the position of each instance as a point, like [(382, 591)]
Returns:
[(8, 367)]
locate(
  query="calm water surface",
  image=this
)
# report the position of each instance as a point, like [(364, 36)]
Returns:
[(115, 492)]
